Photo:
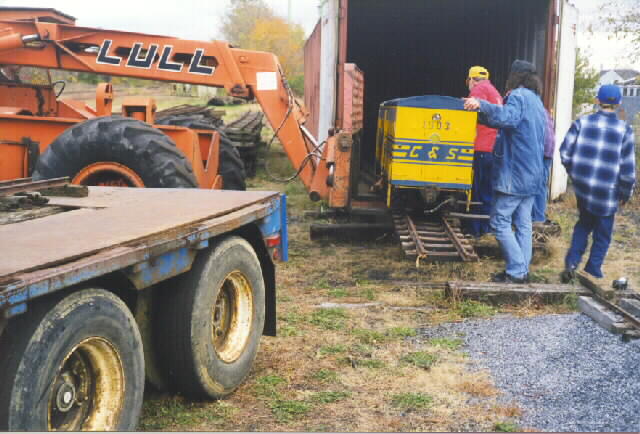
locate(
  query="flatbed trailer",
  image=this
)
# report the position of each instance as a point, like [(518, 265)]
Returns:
[(175, 285)]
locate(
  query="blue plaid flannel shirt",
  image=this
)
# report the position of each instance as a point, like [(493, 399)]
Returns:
[(598, 153)]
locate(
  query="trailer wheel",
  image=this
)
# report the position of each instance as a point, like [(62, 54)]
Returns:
[(232, 167), (72, 365), (116, 151), (211, 319)]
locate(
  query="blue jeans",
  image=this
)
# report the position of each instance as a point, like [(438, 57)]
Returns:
[(602, 228), (482, 192), (540, 202), (517, 248)]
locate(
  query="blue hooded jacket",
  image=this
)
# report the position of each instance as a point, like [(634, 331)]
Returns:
[(519, 148)]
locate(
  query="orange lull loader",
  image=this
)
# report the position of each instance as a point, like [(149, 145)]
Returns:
[(44, 135)]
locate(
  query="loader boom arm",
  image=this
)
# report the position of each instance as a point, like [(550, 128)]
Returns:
[(243, 73)]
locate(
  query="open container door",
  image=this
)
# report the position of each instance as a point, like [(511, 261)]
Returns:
[(312, 50), (564, 91)]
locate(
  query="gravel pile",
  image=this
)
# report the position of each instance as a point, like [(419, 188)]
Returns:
[(565, 372)]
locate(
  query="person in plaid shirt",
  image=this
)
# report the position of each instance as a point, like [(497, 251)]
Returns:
[(598, 153)]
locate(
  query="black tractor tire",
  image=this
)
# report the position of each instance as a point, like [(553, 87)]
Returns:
[(199, 122), (74, 363), (231, 168), (147, 151), (209, 321)]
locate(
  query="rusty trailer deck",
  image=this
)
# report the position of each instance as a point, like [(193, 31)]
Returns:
[(116, 228)]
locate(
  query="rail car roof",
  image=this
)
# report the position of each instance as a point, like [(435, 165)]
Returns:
[(427, 101)]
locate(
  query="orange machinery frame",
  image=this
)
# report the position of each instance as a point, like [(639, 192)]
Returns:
[(46, 38)]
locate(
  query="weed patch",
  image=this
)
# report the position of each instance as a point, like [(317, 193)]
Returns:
[(287, 411), (338, 293), (474, 309), (506, 427), (287, 331), (175, 411), (401, 332), (451, 344), (420, 359), (325, 376), (411, 401), (293, 318), (330, 319), (267, 386), (368, 337), (329, 397), (368, 294), (332, 349)]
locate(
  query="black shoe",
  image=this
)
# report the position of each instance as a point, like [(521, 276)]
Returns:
[(498, 277), (506, 278), (568, 275)]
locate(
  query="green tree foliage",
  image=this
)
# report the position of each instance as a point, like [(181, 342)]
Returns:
[(585, 84), (252, 25), (241, 18)]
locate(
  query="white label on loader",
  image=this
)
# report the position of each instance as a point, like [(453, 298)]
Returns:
[(267, 80)]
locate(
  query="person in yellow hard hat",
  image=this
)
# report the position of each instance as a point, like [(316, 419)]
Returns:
[(480, 87)]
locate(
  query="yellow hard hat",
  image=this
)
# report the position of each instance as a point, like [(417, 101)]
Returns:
[(478, 72)]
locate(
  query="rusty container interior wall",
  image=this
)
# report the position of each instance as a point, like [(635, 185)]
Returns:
[(312, 79), (419, 47)]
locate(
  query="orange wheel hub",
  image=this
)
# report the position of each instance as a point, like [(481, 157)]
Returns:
[(108, 174)]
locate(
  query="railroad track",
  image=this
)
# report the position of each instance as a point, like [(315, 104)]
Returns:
[(432, 240)]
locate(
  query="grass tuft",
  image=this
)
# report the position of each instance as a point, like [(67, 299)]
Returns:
[(332, 349), (338, 293), (402, 332), (368, 337), (267, 386), (411, 401), (474, 309), (325, 376), (451, 344), (329, 397), (420, 359), (506, 427), (287, 410), (329, 319), (176, 411)]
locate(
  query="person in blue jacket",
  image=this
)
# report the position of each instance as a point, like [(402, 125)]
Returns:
[(518, 171)]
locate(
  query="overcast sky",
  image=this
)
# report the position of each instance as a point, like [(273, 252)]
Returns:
[(200, 20)]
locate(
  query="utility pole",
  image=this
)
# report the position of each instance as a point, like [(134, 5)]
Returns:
[(289, 9)]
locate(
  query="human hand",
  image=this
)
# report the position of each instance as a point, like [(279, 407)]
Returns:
[(471, 104)]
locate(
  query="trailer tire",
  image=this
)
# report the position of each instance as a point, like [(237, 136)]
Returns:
[(75, 364), (232, 167), (210, 321), (117, 151)]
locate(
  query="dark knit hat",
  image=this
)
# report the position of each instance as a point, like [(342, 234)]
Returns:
[(523, 66)]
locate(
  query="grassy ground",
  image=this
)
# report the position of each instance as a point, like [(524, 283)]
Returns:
[(336, 367)]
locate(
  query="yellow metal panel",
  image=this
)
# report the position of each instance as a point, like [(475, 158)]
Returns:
[(427, 147)]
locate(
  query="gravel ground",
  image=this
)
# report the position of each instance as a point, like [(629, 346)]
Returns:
[(565, 372)]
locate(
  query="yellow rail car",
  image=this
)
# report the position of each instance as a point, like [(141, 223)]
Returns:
[(426, 143)]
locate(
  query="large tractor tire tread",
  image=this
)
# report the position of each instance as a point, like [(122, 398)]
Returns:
[(232, 167), (147, 151)]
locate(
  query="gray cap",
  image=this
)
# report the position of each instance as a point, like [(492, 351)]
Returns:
[(523, 66)]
